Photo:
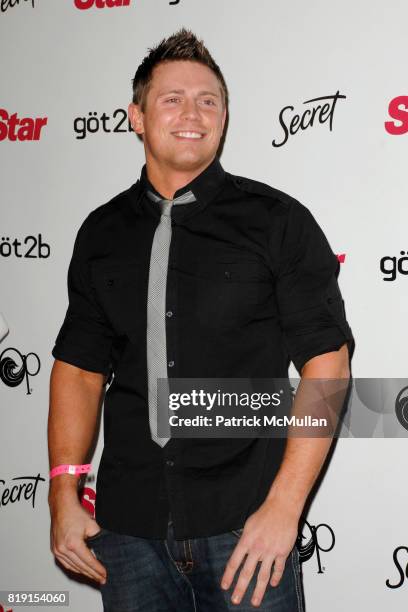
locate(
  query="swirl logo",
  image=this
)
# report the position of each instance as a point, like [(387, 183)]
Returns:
[(401, 407), (15, 367), (314, 543)]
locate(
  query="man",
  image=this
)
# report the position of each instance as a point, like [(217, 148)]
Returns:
[(202, 274)]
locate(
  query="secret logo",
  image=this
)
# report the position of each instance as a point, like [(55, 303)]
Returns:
[(4, 5), (403, 572), (22, 490), (319, 112)]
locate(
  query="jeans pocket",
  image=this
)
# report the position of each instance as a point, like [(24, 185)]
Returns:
[(297, 571), (237, 532), (96, 536)]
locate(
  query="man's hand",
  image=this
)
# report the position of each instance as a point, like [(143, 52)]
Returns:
[(70, 525), (268, 537), (76, 398)]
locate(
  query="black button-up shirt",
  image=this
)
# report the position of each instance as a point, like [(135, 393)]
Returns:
[(251, 285)]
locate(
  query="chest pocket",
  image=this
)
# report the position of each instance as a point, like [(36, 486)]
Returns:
[(230, 292), (121, 291), (232, 271)]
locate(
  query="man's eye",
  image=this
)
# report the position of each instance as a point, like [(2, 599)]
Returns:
[(210, 101), (171, 99)]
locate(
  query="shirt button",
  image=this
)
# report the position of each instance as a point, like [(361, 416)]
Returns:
[(170, 463), (171, 364), (329, 300), (169, 313)]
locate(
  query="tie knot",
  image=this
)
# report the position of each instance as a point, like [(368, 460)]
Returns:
[(165, 207)]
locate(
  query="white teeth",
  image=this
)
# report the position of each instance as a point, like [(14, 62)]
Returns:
[(189, 134)]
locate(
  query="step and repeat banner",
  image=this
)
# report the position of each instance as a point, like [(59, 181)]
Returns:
[(318, 109)]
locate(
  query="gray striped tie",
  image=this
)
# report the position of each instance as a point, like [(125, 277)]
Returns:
[(156, 307)]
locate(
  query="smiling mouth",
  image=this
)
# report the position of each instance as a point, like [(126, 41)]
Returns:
[(184, 135)]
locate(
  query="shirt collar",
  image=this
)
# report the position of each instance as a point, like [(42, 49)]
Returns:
[(205, 187)]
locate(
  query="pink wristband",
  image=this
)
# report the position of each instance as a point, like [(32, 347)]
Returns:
[(70, 469)]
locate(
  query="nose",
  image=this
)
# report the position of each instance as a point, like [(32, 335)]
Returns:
[(189, 109)]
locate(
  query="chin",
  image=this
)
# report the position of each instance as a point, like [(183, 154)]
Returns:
[(189, 161)]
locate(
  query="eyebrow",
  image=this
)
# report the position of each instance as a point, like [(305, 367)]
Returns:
[(181, 91)]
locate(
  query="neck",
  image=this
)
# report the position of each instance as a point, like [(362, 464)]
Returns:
[(168, 180)]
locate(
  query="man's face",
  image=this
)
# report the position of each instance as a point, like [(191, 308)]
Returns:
[(184, 116)]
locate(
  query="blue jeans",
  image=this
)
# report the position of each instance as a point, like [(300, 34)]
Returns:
[(146, 575)]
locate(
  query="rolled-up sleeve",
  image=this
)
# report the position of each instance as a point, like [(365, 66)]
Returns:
[(85, 337), (310, 305)]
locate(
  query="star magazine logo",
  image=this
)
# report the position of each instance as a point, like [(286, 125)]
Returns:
[(87, 496), (398, 111), (84, 5), (15, 129)]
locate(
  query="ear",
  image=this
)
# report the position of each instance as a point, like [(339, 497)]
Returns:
[(136, 118), (224, 116)]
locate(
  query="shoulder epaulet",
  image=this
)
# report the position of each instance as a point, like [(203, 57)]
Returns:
[(252, 186)]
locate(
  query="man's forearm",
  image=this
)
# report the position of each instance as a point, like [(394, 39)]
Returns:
[(304, 457), (75, 400)]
